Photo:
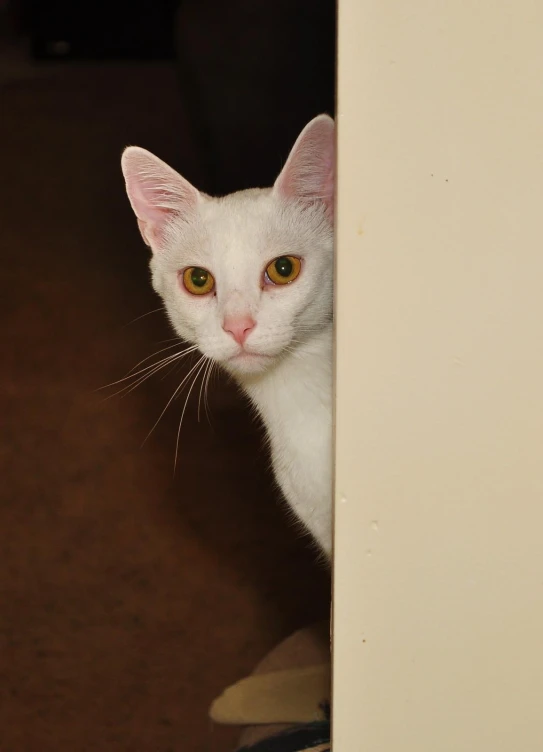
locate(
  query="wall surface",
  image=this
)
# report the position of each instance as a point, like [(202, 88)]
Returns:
[(438, 620)]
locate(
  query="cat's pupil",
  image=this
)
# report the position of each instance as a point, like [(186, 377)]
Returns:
[(199, 277), (283, 266)]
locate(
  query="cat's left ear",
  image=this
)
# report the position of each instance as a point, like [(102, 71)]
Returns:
[(157, 193), (309, 173)]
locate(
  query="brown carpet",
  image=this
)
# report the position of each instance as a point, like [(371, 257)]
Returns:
[(128, 597)]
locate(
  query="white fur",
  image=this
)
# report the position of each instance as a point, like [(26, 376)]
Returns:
[(286, 364)]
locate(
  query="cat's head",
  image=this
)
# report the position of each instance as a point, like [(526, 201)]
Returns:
[(249, 276)]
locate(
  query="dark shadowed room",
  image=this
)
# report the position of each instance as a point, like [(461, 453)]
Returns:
[(146, 566)]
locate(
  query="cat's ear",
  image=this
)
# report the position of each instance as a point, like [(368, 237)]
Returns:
[(309, 173), (157, 193)]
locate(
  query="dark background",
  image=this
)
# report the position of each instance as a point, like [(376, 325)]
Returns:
[(130, 596)]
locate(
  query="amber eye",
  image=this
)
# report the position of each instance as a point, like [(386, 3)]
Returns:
[(198, 281), (283, 270)]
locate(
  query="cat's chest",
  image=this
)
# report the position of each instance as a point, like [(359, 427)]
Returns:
[(295, 404), (298, 427), (300, 453)]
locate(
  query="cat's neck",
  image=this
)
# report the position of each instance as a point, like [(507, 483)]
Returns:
[(302, 375), (294, 400)]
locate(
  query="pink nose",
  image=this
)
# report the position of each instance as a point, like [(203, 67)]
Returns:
[(239, 327)]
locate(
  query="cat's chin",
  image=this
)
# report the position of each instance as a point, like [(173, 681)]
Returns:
[(248, 364)]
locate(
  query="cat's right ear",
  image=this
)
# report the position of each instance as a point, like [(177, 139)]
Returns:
[(157, 193)]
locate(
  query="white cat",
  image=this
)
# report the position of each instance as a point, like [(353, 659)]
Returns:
[(248, 278)]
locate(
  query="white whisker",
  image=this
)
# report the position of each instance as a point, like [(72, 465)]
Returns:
[(170, 339), (143, 315), (202, 385), (151, 367), (206, 403), (174, 366), (137, 381), (130, 387), (170, 347), (185, 407), (176, 392)]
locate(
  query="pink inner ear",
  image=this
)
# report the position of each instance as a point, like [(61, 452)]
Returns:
[(309, 174), (157, 194)]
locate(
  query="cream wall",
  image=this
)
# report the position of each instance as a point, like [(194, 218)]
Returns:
[(438, 614)]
